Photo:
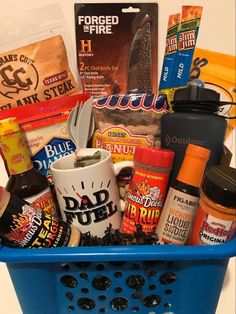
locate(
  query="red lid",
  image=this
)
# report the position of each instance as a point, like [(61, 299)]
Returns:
[(1, 191), (154, 156)]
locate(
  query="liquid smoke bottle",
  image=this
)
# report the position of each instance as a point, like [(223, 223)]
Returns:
[(183, 197)]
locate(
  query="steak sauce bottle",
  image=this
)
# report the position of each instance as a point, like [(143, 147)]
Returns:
[(24, 181)]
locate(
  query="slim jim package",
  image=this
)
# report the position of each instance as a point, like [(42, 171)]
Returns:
[(171, 50), (116, 47)]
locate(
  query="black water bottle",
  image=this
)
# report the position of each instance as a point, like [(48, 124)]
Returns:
[(194, 121)]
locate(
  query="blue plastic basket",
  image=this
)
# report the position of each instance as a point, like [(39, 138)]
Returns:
[(133, 279)]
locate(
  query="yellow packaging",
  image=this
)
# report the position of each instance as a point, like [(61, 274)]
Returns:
[(218, 72)]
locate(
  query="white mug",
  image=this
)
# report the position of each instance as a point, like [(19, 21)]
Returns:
[(88, 196)]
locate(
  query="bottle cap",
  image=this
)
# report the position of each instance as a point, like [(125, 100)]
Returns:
[(158, 157), (14, 147), (197, 99), (1, 191), (193, 166), (8, 126), (219, 185)]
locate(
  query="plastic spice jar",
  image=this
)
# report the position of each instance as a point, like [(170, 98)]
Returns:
[(147, 189), (215, 221)]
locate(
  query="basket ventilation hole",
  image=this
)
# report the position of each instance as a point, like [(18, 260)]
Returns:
[(84, 290), (135, 281), (118, 263), (168, 291), (136, 266), (71, 308), (100, 267), (84, 276), (167, 305), (69, 281), (102, 297), (135, 309), (136, 296), (82, 264), (86, 304), (152, 300), (65, 267), (101, 282), (167, 278), (69, 296), (118, 274), (102, 310), (119, 304), (152, 287), (118, 289)]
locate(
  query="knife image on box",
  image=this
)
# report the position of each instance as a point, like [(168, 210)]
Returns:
[(140, 58)]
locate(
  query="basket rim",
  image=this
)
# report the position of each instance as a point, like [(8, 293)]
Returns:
[(119, 253)]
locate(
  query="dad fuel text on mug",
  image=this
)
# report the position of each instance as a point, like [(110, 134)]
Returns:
[(88, 197)]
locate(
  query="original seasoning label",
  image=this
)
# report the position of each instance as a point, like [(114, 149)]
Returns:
[(30, 227), (210, 230), (35, 73), (144, 201)]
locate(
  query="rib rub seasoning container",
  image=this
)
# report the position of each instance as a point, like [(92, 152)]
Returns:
[(147, 189), (215, 221)]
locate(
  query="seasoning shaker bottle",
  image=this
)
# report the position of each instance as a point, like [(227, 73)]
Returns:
[(24, 181), (183, 197), (147, 188), (23, 225), (194, 120), (215, 221)]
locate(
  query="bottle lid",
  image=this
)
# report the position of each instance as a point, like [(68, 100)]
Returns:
[(193, 166), (8, 126), (154, 156), (14, 147), (1, 191), (219, 185), (196, 98), (198, 151)]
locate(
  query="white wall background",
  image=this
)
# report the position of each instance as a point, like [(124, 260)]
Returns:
[(217, 32)]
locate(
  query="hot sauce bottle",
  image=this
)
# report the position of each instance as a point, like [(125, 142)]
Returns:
[(24, 181), (147, 189), (183, 197)]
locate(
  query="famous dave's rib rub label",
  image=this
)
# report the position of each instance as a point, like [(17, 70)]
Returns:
[(144, 201), (30, 227)]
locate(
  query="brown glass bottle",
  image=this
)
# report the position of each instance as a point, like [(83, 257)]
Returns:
[(24, 181)]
